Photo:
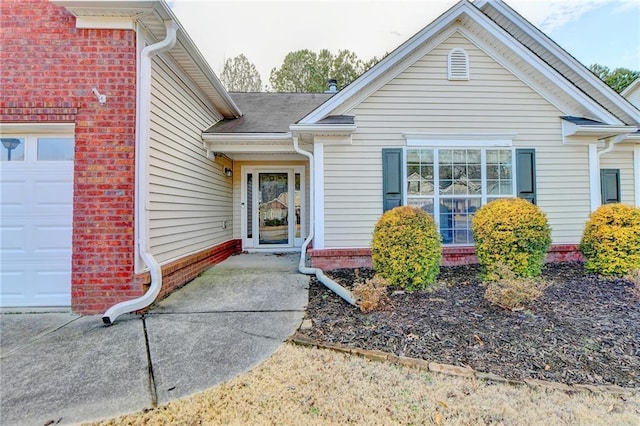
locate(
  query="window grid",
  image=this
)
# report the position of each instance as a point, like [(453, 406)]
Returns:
[(465, 180)]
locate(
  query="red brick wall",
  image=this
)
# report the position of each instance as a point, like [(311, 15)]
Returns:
[(48, 69), (176, 274), (328, 259)]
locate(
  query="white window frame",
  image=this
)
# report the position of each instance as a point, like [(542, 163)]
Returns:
[(459, 143)]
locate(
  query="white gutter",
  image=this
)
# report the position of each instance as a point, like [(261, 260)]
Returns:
[(142, 178), (329, 283), (594, 168)]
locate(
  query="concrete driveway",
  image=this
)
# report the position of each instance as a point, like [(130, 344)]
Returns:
[(65, 368)]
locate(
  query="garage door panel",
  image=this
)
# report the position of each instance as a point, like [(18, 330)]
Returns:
[(13, 240), (14, 195), (52, 239), (36, 199), (53, 194)]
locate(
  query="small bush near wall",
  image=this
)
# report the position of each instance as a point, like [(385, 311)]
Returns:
[(406, 248), (611, 240), (511, 232), (511, 292)]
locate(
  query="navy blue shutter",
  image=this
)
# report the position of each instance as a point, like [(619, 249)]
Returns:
[(610, 185), (391, 178), (526, 178)]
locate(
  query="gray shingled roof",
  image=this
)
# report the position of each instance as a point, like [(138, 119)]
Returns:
[(581, 121), (269, 112)]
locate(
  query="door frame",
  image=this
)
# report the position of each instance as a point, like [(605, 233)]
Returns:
[(253, 243)]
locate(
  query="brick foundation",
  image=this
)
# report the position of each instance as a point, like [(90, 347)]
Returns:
[(178, 273), (328, 259)]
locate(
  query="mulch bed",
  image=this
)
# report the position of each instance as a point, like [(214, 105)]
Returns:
[(584, 330)]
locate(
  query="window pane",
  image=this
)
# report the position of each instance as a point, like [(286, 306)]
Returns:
[(455, 219), (499, 172), (55, 149), (425, 204), (12, 149)]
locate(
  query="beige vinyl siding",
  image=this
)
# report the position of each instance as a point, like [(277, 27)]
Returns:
[(622, 158), (421, 99), (634, 97), (189, 195)]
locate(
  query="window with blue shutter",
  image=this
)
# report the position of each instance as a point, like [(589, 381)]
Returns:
[(391, 178), (526, 174), (610, 185)]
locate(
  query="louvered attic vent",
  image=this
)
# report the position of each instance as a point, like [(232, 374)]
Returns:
[(458, 65)]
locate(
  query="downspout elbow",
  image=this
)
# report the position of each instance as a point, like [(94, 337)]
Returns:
[(302, 266), (142, 173)]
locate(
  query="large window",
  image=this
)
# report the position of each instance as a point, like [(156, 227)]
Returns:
[(451, 184)]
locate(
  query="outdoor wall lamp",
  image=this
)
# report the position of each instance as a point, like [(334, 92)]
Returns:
[(10, 144), (228, 172)]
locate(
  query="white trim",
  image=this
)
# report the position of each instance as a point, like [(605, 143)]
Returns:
[(105, 22), (568, 60), (435, 30), (253, 243), (323, 129), (386, 64), (250, 137), (636, 174), (173, 67), (29, 128), (458, 64), (635, 83), (318, 179), (600, 131), (594, 176), (471, 140)]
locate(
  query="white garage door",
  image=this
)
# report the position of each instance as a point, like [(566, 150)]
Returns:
[(36, 194)]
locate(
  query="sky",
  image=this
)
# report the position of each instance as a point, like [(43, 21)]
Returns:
[(606, 32)]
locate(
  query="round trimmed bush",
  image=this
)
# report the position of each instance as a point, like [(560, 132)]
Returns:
[(611, 240), (406, 248), (511, 233)]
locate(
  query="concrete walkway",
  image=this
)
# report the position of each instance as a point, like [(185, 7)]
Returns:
[(65, 368)]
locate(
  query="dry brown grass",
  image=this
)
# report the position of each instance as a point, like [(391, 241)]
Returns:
[(306, 386)]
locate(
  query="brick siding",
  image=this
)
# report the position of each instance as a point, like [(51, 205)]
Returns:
[(328, 259), (48, 70)]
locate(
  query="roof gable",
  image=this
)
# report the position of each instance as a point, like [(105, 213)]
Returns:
[(467, 19), (559, 59)]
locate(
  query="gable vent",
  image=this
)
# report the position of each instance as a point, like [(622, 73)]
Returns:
[(458, 65)]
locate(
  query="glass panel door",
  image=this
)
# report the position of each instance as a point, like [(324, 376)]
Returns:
[(273, 208)]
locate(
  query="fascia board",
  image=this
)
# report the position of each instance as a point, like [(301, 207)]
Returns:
[(386, 63), (634, 84), (345, 129), (432, 29), (248, 137), (561, 54), (599, 131)]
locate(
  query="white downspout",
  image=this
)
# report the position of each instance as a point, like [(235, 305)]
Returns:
[(302, 266), (142, 179)]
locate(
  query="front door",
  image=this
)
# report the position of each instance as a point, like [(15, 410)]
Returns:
[(272, 214)]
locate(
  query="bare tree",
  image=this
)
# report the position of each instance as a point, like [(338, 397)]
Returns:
[(240, 75)]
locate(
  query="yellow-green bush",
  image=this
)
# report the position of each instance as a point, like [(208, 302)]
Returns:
[(406, 248), (511, 232), (611, 240)]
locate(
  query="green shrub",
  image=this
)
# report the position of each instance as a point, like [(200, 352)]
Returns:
[(511, 232), (406, 248), (611, 240), (511, 292)]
